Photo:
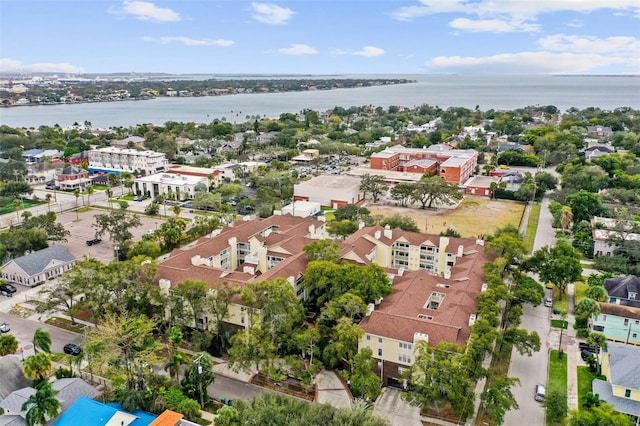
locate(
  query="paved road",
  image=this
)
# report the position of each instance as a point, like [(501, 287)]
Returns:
[(23, 330), (234, 389), (533, 370), (397, 411)]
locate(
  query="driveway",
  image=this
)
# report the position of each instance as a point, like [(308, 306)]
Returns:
[(392, 407)]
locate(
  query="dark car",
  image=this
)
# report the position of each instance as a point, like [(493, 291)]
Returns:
[(4, 328), (586, 347), (94, 241), (7, 289), (72, 349), (584, 354)]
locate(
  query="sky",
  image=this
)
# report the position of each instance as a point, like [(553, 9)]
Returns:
[(321, 36)]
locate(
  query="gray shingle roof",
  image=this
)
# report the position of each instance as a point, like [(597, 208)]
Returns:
[(12, 376), (623, 405), (36, 262), (625, 365), (621, 287)]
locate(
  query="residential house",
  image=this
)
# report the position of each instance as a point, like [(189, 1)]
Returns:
[(13, 377), (130, 142), (619, 319), (71, 178), (621, 367), (610, 234), (595, 151), (39, 266), (600, 131)]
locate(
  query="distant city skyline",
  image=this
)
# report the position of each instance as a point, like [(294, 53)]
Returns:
[(321, 36)]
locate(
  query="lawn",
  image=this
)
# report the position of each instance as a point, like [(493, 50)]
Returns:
[(585, 377), (66, 324), (472, 218), (559, 323), (557, 379), (532, 226), (580, 290)]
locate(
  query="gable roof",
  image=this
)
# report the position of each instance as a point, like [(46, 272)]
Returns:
[(624, 363), (36, 262), (12, 376), (621, 287)]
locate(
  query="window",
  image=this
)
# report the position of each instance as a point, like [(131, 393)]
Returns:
[(368, 337), (598, 328), (379, 351), (627, 393), (626, 322), (379, 339)]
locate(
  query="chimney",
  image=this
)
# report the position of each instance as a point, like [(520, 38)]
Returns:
[(360, 225), (472, 319), (312, 230), (377, 235), (370, 308), (387, 232), (460, 250), (447, 273)]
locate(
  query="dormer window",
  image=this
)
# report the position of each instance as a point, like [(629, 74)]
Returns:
[(633, 296)]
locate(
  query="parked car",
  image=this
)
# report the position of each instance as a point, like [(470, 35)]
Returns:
[(138, 198), (587, 347), (7, 289), (72, 349), (94, 241), (540, 393), (584, 354), (4, 328), (548, 302)]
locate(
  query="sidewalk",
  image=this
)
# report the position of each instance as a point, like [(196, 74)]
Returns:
[(572, 352)]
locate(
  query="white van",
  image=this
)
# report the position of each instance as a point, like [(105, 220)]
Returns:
[(541, 393)]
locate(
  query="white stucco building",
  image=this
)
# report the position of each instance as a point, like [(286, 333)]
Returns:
[(333, 191), (118, 160), (180, 186)]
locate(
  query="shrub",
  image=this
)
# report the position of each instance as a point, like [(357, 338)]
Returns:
[(64, 373)]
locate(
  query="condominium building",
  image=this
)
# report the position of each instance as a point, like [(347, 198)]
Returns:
[(174, 186), (119, 160)]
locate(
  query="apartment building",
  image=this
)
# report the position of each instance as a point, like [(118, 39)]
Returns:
[(174, 186), (119, 160)]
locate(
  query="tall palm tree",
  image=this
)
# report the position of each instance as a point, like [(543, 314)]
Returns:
[(17, 206), (90, 191), (38, 366), (48, 199), (176, 210), (109, 193), (173, 365), (42, 406), (77, 195), (41, 341)]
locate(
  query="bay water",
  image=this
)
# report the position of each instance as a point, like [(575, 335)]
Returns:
[(504, 92)]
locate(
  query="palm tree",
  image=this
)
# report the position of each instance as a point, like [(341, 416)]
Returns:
[(176, 210), (77, 195), (38, 366), (17, 206), (173, 365), (90, 191), (41, 341), (160, 199), (566, 218), (48, 198), (109, 193), (42, 406)]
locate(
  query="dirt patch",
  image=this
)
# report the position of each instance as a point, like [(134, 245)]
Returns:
[(472, 218)]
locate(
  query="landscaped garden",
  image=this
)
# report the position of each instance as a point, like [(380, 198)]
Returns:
[(557, 388)]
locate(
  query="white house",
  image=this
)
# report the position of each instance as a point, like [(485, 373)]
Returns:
[(38, 266)]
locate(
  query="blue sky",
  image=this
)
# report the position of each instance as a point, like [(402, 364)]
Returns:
[(321, 36)]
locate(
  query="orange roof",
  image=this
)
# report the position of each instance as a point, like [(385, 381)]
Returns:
[(167, 418)]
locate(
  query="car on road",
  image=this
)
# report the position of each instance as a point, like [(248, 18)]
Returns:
[(540, 393), (584, 354), (72, 349), (94, 241), (7, 289), (548, 302), (4, 328)]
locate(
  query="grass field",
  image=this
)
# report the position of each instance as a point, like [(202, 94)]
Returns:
[(472, 218), (585, 377), (532, 226), (557, 379)]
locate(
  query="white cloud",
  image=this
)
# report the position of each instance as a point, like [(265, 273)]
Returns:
[(576, 23), (493, 25), (189, 41), (298, 50), (369, 51), (527, 63), (588, 44), (147, 11), (272, 14), (519, 8), (8, 64)]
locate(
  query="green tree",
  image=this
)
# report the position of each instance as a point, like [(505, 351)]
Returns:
[(559, 265), (602, 415), (15, 189), (587, 308), (434, 189), (41, 340), (363, 381), (373, 185), (8, 344), (90, 190), (118, 224), (524, 342), (346, 305), (597, 293), (38, 367), (351, 212), (17, 206), (343, 344), (599, 341), (322, 250), (585, 205), (342, 228), (76, 193), (557, 406), (42, 406), (406, 223), (401, 192), (197, 378), (219, 300), (193, 293), (497, 398)]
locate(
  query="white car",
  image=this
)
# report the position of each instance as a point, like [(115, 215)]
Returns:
[(4, 328), (548, 302)]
